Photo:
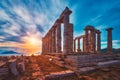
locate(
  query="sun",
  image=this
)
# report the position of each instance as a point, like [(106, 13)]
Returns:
[(33, 40)]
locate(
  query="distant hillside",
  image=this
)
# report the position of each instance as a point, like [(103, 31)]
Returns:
[(113, 50), (8, 52)]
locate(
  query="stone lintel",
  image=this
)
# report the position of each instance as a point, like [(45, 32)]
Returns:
[(89, 27)]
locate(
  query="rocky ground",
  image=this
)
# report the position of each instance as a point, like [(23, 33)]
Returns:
[(40, 66)]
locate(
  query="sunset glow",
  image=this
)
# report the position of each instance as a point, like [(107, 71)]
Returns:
[(33, 41)]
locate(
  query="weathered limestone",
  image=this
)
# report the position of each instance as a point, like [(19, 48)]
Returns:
[(68, 32), (84, 44), (58, 47), (109, 40), (94, 41), (77, 62), (74, 45), (87, 44), (50, 41), (98, 41), (79, 45), (54, 42)]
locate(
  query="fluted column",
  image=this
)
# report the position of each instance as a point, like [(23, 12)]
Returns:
[(74, 45), (68, 33), (109, 40), (58, 28), (84, 44), (42, 45), (78, 44), (94, 40), (53, 41), (87, 44), (50, 42), (47, 44), (98, 41)]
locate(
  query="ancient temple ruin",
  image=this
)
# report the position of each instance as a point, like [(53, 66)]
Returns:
[(51, 43), (82, 53), (91, 40)]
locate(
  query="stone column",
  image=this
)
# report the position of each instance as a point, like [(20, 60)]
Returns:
[(94, 40), (47, 43), (58, 28), (74, 45), (84, 44), (68, 33), (87, 44), (53, 41), (109, 40), (78, 45), (98, 41), (50, 42), (43, 45)]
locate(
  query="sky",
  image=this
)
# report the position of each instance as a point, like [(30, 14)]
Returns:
[(22, 21)]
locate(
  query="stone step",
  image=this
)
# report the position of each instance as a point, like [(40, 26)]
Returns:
[(55, 75), (107, 63), (86, 69)]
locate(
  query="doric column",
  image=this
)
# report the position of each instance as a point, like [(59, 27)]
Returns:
[(58, 28), (78, 45), (84, 44), (68, 39), (68, 33), (50, 42), (87, 44), (43, 45), (74, 45), (53, 41), (94, 40), (47, 43), (98, 41), (109, 40)]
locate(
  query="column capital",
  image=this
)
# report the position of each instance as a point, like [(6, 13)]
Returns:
[(108, 29), (98, 31)]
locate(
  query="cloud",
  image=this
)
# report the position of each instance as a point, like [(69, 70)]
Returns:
[(20, 17), (115, 43)]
